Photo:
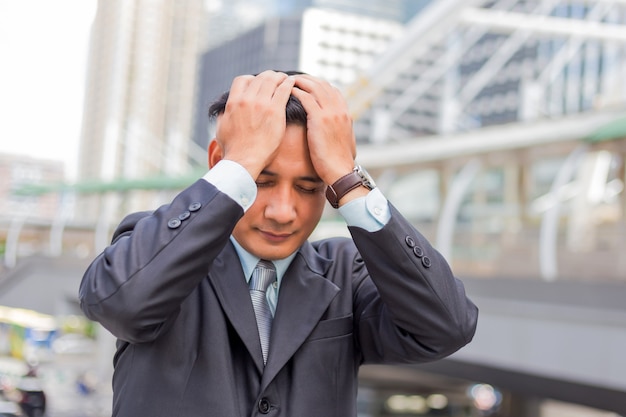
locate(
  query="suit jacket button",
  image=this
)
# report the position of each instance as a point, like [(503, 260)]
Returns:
[(173, 223), (409, 241), (184, 215), (194, 207), (419, 252), (264, 405), (426, 262)]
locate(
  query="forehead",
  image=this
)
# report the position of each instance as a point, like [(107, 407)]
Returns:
[(292, 157)]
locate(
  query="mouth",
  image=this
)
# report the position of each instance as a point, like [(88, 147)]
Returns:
[(275, 237)]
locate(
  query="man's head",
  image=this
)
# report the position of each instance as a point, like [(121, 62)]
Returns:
[(290, 195), (294, 111)]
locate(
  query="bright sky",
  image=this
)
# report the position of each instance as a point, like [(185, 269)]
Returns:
[(43, 50)]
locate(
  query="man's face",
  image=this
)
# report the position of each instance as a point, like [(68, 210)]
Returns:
[(289, 202)]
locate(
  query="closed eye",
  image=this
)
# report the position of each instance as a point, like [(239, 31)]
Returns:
[(261, 184), (308, 190)]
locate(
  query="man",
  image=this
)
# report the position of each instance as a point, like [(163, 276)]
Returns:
[(173, 287)]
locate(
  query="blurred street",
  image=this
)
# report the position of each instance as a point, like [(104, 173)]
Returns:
[(60, 381)]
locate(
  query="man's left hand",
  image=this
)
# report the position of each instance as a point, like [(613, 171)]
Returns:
[(330, 135)]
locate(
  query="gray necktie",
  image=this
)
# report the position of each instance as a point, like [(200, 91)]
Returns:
[(263, 275)]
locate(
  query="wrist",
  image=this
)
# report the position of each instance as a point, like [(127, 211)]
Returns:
[(252, 166), (356, 183), (358, 192)]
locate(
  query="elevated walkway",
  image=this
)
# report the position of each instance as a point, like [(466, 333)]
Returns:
[(563, 340)]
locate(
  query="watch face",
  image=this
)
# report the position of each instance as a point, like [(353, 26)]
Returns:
[(368, 181)]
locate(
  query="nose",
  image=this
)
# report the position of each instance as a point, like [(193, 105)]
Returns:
[(281, 205)]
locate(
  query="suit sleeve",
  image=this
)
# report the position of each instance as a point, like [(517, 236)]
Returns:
[(409, 307), (136, 285)]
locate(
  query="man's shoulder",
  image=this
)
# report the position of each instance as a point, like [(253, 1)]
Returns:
[(130, 219), (128, 223)]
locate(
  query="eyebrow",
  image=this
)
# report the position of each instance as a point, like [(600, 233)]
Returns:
[(307, 178)]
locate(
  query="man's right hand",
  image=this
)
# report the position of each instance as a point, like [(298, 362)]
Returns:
[(253, 124)]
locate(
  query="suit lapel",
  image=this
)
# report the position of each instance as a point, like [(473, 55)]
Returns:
[(305, 294), (233, 292)]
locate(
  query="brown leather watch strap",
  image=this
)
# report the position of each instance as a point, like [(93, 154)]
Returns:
[(342, 186)]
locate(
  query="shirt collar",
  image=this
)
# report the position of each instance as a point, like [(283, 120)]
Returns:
[(249, 261)]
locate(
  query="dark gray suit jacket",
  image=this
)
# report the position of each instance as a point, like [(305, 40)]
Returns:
[(173, 292)]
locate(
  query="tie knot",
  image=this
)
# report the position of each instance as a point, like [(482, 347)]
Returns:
[(263, 275)]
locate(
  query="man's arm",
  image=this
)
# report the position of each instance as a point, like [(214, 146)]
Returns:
[(135, 287), (138, 283), (413, 309)]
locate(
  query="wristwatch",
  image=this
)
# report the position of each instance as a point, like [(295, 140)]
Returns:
[(356, 178)]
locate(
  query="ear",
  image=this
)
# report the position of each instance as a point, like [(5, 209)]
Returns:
[(215, 153)]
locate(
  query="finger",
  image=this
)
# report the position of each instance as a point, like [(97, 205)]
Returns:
[(283, 91), (309, 102), (240, 85), (308, 83), (264, 85), (321, 90)]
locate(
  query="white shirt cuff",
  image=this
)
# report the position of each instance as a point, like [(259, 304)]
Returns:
[(234, 180), (370, 212)]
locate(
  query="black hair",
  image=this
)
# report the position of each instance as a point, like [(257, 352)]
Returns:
[(294, 111)]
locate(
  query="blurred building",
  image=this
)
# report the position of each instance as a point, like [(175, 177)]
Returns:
[(18, 172), (228, 19), (331, 44), (486, 78), (139, 91)]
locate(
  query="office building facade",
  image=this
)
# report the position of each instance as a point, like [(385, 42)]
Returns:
[(140, 90), (330, 44)]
